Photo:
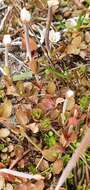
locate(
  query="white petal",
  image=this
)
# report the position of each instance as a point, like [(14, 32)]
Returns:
[(54, 37), (25, 15), (7, 39)]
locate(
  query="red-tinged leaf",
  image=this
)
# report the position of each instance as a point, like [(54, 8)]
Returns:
[(8, 177), (73, 121), (46, 104), (2, 165), (33, 44)]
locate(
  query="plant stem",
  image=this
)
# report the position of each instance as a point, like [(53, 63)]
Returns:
[(6, 56), (28, 48), (72, 163), (29, 140), (48, 24)]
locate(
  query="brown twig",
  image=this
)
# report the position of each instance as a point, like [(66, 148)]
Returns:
[(48, 24)]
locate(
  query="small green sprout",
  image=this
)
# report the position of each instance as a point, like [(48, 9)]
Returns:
[(2, 146), (84, 102), (32, 168), (45, 124), (50, 139), (36, 113)]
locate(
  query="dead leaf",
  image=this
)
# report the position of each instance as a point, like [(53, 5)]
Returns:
[(34, 127), (59, 101), (74, 47), (52, 153), (33, 44), (21, 187), (33, 65), (21, 115), (58, 166), (6, 109), (46, 104), (51, 88), (73, 121)]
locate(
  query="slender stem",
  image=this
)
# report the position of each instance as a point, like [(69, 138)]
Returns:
[(48, 24), (6, 56), (29, 140), (72, 163), (28, 48)]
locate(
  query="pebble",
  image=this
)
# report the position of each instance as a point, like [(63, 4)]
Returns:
[(4, 132), (9, 187), (87, 37), (5, 149), (4, 156), (10, 147)]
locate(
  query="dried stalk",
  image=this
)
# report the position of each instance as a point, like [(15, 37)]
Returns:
[(48, 24)]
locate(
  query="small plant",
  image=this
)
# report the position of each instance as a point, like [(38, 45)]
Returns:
[(32, 169), (45, 124), (84, 102), (2, 146), (37, 113), (50, 139)]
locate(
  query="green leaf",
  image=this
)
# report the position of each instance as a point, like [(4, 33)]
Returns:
[(23, 76), (84, 102)]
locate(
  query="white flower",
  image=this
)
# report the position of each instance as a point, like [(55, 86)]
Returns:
[(69, 93), (25, 15), (72, 22), (42, 35), (52, 3), (54, 37), (6, 39)]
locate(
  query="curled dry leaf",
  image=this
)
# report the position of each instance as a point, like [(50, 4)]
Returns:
[(19, 150), (51, 88), (74, 47), (34, 127), (21, 115), (21, 186), (11, 91), (33, 64), (59, 101), (6, 109), (46, 104), (52, 153), (58, 166)]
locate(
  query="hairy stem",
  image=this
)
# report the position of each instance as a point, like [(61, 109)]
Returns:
[(28, 48), (48, 24), (72, 163), (6, 56)]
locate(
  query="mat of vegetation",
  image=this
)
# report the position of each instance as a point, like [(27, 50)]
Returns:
[(40, 124)]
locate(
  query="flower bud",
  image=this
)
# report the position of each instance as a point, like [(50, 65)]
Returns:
[(25, 15), (69, 94), (52, 3), (6, 39)]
